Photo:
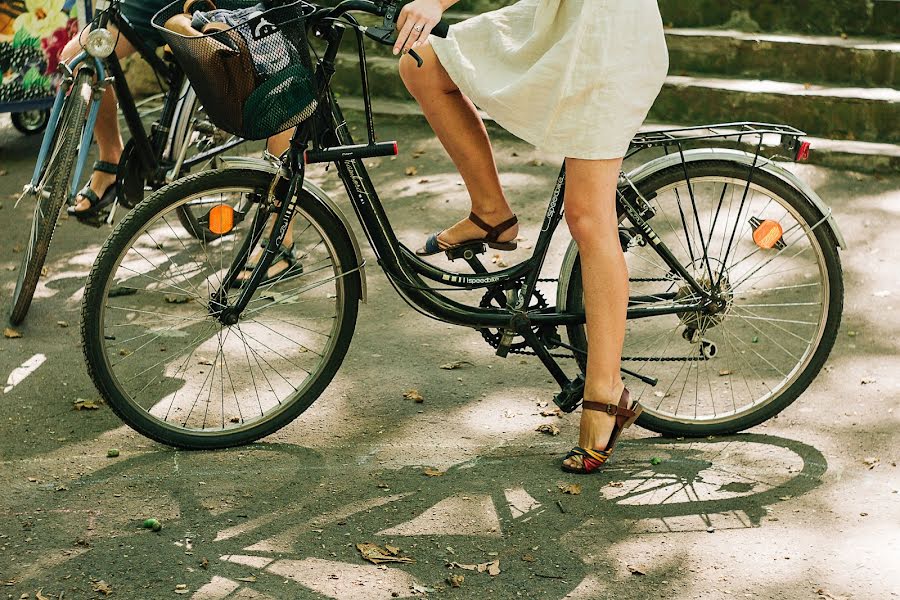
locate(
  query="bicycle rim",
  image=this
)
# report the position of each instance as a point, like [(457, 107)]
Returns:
[(174, 371)]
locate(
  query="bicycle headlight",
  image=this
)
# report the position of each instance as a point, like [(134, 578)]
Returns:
[(100, 43)]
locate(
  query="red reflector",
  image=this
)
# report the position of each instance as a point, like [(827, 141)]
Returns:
[(803, 152), (396, 149)]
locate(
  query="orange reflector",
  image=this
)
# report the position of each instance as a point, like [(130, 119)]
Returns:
[(767, 234), (221, 219)]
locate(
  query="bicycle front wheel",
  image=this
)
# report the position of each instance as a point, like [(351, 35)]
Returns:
[(162, 359), (767, 254), (51, 191)]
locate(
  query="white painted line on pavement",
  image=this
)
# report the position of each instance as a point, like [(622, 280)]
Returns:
[(20, 373)]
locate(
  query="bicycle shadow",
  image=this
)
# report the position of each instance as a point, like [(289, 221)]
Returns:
[(269, 518)]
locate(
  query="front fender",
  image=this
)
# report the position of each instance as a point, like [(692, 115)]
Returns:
[(243, 162)]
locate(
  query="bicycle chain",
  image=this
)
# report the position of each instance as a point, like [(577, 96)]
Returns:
[(523, 352)]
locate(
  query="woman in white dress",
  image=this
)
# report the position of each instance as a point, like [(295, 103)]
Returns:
[(576, 77)]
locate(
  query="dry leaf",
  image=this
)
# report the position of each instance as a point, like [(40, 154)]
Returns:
[(455, 580), (536, 163), (551, 413), (204, 563), (205, 361), (659, 394), (635, 570), (414, 395), (529, 558), (102, 587), (176, 299), (459, 364), (411, 171), (248, 579), (63, 324), (392, 550), (83, 404), (725, 372), (492, 568), (548, 428), (38, 595), (871, 462), (433, 472), (11, 333), (375, 554), (573, 489)]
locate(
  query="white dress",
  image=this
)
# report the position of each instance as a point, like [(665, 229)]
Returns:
[(575, 77)]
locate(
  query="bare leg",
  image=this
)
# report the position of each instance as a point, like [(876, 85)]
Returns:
[(106, 131), (462, 133), (591, 215)]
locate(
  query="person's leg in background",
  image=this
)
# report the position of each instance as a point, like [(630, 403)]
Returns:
[(106, 131)]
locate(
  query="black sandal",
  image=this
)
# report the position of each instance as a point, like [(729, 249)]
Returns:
[(286, 254), (433, 245), (98, 203), (626, 414)]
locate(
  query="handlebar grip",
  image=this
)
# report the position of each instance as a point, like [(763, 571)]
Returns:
[(441, 29)]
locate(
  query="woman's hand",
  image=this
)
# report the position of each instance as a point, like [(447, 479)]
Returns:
[(415, 23)]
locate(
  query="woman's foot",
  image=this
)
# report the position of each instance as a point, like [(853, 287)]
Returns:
[(498, 230), (596, 428), (284, 266), (99, 192)]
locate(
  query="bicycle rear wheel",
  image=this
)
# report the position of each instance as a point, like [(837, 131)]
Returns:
[(727, 371), (52, 191), (173, 371)]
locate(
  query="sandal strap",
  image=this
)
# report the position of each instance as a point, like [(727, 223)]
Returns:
[(493, 232), (433, 244), (90, 195), (106, 167)]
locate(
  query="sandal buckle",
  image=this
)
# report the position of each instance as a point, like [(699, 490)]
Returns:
[(611, 409)]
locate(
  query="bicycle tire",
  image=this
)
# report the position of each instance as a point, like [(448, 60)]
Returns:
[(101, 279), (832, 268), (56, 174)]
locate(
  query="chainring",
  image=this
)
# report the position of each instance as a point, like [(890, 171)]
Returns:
[(493, 336)]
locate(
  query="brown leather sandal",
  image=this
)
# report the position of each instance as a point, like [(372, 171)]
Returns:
[(626, 414), (434, 245)]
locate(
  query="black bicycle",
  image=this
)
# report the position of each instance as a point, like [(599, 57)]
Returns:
[(736, 281), (180, 140)]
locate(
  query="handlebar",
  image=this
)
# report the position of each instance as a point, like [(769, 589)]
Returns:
[(390, 10)]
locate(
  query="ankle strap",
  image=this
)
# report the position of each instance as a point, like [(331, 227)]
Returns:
[(616, 410), (495, 231)]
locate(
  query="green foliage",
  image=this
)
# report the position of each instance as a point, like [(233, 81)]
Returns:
[(34, 79), (23, 39)]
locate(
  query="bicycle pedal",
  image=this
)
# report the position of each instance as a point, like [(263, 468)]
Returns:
[(466, 251), (505, 342), (571, 395)]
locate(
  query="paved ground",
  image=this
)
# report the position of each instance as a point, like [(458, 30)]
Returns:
[(803, 507)]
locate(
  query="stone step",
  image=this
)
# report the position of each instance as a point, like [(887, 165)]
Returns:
[(864, 157), (829, 112), (829, 17), (863, 62), (852, 61), (864, 114)]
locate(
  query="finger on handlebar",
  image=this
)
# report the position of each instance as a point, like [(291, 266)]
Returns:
[(423, 37), (401, 45)]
